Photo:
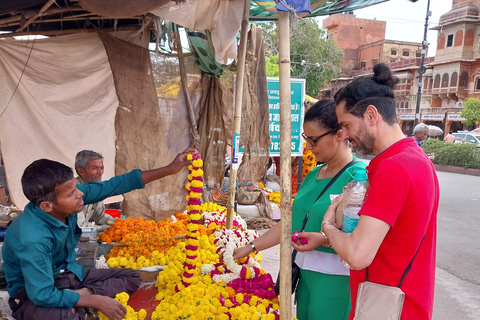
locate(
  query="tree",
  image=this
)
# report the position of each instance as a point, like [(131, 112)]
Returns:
[(471, 111), (313, 57), (272, 66)]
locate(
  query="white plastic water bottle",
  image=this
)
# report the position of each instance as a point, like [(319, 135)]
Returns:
[(354, 197)]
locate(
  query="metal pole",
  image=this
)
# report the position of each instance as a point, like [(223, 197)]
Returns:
[(421, 70)]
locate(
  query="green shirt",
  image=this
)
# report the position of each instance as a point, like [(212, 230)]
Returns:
[(38, 246), (305, 200)]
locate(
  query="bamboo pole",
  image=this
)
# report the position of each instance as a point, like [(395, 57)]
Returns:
[(237, 120), (184, 81), (15, 20), (285, 166), (30, 20), (67, 31)]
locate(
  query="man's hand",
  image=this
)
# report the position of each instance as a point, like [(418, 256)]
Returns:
[(180, 161), (330, 214), (111, 308)]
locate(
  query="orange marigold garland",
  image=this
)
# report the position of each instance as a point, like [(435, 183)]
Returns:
[(194, 190)]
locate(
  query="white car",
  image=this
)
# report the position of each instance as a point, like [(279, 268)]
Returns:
[(470, 137)]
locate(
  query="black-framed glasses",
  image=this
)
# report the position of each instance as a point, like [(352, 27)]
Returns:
[(313, 140)]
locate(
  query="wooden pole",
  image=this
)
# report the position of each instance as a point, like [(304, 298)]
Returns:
[(15, 20), (285, 166), (237, 120), (184, 80), (42, 10)]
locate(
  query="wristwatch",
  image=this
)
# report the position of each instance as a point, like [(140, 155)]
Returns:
[(253, 246)]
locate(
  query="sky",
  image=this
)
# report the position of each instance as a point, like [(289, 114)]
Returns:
[(406, 20)]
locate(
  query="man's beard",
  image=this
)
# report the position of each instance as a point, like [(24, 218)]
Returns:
[(364, 142)]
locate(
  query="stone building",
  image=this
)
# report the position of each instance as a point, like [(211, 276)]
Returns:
[(450, 77)]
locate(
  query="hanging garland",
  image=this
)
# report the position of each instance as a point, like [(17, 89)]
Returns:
[(194, 190)]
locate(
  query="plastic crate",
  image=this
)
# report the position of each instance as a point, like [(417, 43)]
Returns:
[(115, 213)]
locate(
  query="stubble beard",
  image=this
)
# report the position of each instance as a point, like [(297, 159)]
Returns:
[(364, 142)]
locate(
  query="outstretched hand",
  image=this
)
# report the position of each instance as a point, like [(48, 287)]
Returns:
[(180, 161)]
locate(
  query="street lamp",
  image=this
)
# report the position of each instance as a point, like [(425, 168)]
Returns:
[(421, 69)]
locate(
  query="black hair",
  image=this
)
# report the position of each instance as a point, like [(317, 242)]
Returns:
[(40, 179), (323, 112), (379, 86)]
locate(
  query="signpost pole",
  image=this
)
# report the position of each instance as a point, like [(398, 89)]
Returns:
[(421, 69)]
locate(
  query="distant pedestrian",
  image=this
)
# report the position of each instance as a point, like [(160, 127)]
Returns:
[(420, 133), (449, 138)]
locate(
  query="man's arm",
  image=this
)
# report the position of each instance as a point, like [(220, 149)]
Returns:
[(136, 179), (358, 248), (174, 167)]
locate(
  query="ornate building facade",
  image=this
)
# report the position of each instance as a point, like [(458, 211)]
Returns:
[(450, 77)]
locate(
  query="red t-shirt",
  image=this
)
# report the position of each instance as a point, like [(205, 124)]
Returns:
[(404, 193)]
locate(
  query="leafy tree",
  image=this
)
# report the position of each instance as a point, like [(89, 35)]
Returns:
[(272, 66), (471, 111), (313, 57)]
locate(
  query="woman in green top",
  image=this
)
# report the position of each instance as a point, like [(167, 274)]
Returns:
[(323, 291)]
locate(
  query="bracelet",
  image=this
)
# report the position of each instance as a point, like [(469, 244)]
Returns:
[(329, 223), (323, 234), (253, 246)]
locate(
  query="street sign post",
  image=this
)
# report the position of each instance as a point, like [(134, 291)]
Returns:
[(297, 98)]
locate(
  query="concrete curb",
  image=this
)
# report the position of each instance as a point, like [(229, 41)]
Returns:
[(439, 167)]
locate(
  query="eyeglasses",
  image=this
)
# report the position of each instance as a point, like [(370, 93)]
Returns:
[(313, 140)]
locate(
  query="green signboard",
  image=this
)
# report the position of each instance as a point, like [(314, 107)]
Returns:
[(297, 98)]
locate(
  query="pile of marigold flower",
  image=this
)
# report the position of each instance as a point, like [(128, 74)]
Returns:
[(274, 196), (145, 241), (131, 314)]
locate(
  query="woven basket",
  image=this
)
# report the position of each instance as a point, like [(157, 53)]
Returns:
[(247, 196)]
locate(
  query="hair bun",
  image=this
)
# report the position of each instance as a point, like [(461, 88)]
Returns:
[(383, 75)]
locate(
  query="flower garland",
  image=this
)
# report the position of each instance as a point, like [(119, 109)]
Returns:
[(194, 190)]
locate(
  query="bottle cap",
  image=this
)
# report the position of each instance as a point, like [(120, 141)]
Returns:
[(360, 175)]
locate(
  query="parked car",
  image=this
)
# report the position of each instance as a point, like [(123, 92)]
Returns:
[(470, 137)]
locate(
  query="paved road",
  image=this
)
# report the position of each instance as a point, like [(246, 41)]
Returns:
[(457, 292)]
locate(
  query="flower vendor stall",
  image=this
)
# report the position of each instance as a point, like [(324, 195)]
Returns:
[(194, 283)]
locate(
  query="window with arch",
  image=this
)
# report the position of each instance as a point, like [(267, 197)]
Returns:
[(445, 80), (450, 40), (436, 83), (477, 84), (463, 79), (453, 80), (401, 105)]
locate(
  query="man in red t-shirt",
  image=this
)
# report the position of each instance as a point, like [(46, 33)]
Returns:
[(401, 204)]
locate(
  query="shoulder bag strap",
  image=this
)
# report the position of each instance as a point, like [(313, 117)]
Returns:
[(408, 267), (294, 253)]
